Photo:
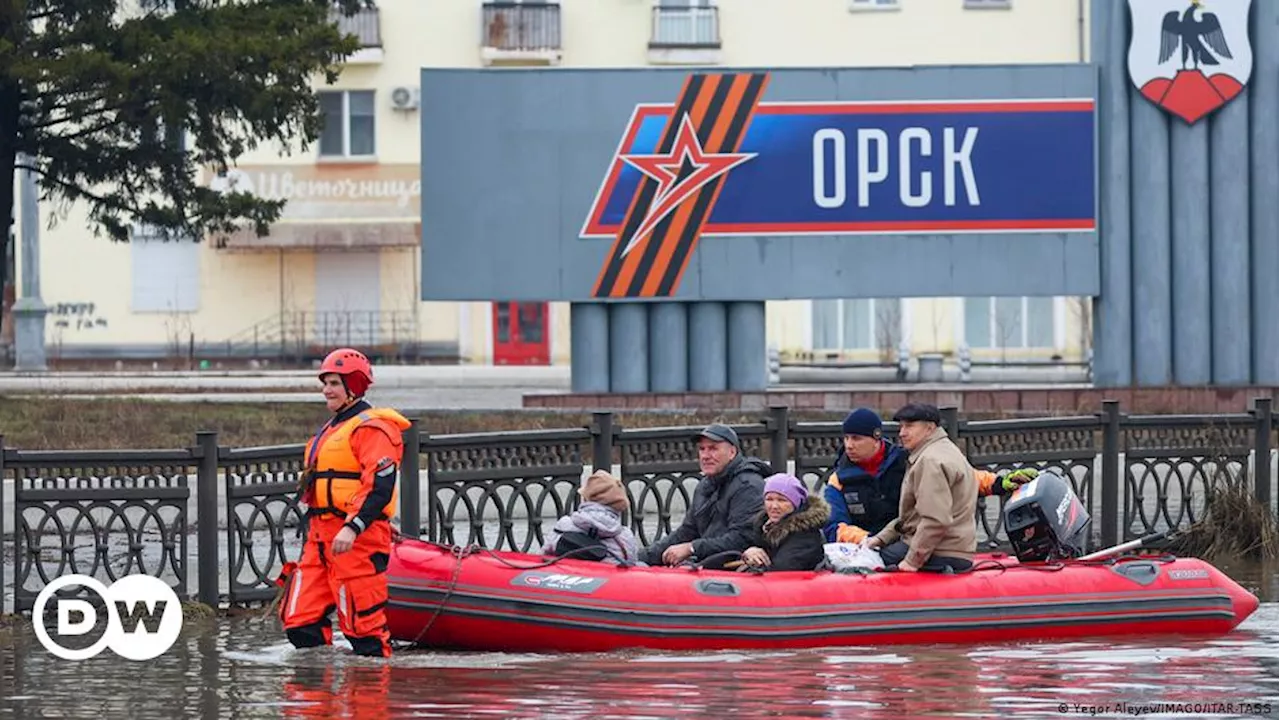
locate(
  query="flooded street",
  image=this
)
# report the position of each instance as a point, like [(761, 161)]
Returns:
[(242, 667)]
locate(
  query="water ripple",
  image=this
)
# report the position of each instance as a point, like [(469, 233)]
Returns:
[(242, 667)]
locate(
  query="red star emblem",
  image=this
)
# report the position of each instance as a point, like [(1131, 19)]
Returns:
[(680, 174)]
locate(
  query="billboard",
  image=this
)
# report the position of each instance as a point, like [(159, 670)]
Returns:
[(750, 185)]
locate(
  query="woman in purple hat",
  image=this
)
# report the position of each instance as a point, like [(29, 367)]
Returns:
[(789, 531)]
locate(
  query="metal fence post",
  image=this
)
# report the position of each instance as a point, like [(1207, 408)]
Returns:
[(207, 518), (2, 538), (424, 441), (602, 441), (779, 450), (1110, 490), (951, 421), (1262, 450), (410, 491)]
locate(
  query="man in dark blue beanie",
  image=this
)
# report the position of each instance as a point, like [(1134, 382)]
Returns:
[(864, 488), (863, 422)]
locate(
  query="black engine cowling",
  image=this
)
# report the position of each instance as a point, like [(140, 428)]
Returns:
[(1045, 520)]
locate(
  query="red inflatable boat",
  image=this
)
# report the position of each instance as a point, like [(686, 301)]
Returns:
[(479, 599)]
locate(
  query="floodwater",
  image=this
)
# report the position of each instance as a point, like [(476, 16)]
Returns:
[(242, 667)]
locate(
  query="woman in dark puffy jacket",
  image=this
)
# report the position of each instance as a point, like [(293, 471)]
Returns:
[(789, 531)]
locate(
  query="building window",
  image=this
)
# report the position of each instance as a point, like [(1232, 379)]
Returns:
[(685, 24), (348, 124), (874, 5), (862, 324), (1009, 322), (366, 25), (521, 25)]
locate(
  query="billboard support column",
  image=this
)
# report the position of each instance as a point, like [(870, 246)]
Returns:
[(1152, 261), (1113, 308), (1189, 158), (668, 347), (708, 347), (628, 347), (589, 347), (748, 370), (1262, 184), (1229, 241)]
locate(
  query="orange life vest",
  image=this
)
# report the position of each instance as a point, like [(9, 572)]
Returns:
[(336, 475)]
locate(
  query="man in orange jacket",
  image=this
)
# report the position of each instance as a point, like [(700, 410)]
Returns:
[(349, 488)]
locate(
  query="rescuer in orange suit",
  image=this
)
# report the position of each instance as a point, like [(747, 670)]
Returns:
[(349, 488)]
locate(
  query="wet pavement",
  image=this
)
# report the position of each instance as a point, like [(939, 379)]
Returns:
[(242, 667), (403, 386)]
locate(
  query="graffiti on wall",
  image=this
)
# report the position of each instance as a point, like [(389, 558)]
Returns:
[(76, 316)]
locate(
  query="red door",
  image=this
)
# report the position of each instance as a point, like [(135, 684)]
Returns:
[(520, 334)]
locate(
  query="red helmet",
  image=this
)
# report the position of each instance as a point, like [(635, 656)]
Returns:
[(353, 366)]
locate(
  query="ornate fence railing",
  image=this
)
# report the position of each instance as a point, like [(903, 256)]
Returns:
[(111, 513)]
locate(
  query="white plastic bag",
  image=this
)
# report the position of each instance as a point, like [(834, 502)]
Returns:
[(842, 556)]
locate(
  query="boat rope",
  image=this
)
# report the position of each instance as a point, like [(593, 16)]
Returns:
[(551, 561), (460, 553)]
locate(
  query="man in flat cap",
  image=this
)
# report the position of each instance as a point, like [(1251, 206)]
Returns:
[(865, 484), (727, 499), (934, 529)]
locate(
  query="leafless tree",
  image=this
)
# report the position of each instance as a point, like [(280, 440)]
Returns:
[(888, 328), (1082, 309), (936, 323), (1008, 330), (177, 327)]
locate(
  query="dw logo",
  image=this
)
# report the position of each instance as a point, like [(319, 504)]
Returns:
[(144, 617)]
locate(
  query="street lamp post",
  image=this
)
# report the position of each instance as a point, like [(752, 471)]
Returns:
[(29, 310)]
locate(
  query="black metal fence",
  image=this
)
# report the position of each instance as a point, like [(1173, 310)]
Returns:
[(112, 513)]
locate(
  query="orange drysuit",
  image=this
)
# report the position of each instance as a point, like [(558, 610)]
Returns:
[(351, 468)]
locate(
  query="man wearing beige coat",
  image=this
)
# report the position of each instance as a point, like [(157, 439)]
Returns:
[(934, 530)]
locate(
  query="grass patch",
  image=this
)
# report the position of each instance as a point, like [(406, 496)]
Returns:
[(193, 610), (13, 621), (61, 423), (1235, 526)]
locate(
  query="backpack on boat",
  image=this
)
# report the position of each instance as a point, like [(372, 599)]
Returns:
[(578, 540)]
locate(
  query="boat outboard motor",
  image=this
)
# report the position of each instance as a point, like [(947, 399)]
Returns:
[(1045, 520)]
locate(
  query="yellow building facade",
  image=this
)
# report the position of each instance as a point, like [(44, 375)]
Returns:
[(343, 264)]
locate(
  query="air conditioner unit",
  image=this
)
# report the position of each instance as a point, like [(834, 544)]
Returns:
[(404, 97)]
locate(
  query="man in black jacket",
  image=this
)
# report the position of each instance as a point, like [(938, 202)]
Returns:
[(726, 501)]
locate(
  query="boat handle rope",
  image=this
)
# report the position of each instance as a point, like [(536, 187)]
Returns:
[(459, 552)]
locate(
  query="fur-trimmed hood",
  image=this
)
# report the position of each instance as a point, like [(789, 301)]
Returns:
[(812, 515)]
